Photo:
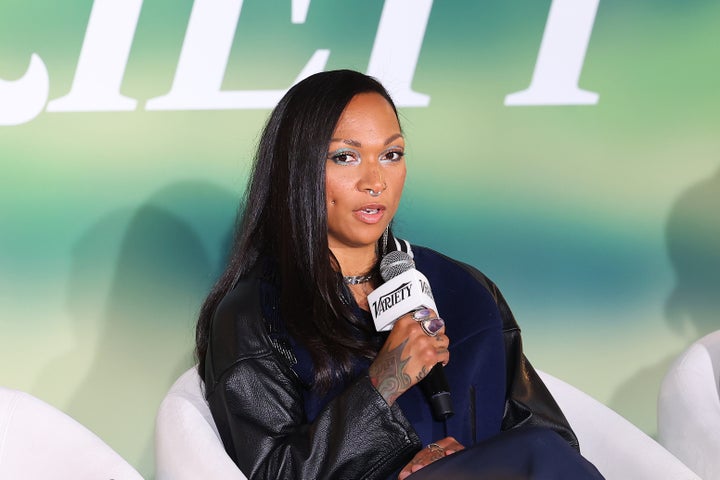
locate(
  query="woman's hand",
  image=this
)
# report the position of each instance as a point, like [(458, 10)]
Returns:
[(406, 357), (434, 451)]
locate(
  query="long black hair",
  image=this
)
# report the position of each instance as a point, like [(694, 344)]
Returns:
[(285, 218)]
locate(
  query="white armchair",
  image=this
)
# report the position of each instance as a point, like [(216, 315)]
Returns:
[(619, 449), (38, 441), (689, 407), (188, 447), (187, 443)]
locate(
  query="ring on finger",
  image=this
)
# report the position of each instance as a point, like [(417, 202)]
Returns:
[(435, 448), (422, 314), (430, 324)]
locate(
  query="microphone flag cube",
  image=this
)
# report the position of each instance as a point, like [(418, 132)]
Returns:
[(401, 294)]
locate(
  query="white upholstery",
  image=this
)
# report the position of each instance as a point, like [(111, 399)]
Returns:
[(38, 441), (615, 446), (188, 447), (689, 407), (187, 443)]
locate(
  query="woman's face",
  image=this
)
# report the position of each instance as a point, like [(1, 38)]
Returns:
[(365, 172)]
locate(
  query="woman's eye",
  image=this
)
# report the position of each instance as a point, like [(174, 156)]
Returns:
[(393, 156), (345, 157)]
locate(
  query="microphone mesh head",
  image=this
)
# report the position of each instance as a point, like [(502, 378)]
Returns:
[(395, 263)]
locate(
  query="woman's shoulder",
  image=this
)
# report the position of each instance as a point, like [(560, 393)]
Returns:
[(238, 331), (432, 262), (462, 291), (461, 282)]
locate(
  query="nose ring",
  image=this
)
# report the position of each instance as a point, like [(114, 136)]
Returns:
[(373, 193)]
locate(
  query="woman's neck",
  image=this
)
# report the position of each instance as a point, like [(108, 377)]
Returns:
[(360, 293), (355, 261)]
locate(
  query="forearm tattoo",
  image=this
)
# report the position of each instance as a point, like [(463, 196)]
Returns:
[(388, 375)]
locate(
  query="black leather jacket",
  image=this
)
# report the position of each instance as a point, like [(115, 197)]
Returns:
[(257, 404)]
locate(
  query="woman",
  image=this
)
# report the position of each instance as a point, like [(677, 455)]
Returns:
[(299, 382)]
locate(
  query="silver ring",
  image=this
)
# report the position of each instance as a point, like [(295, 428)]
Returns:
[(430, 324), (434, 447)]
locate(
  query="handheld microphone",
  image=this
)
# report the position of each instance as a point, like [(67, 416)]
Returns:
[(406, 290)]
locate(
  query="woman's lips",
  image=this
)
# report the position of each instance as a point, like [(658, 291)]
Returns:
[(370, 213)]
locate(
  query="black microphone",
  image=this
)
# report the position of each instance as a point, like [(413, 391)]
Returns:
[(435, 385)]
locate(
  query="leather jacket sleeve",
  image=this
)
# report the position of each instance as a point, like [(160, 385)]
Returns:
[(527, 400), (257, 404)]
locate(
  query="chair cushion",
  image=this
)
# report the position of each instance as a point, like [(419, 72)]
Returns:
[(615, 446), (39, 441), (689, 407), (187, 443)]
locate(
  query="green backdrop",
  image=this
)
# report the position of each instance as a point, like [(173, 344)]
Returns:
[(595, 213)]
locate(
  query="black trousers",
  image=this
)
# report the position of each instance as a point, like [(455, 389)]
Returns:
[(531, 453)]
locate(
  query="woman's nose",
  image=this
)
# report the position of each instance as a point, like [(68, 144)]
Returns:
[(372, 180)]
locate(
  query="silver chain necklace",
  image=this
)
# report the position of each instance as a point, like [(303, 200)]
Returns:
[(357, 279)]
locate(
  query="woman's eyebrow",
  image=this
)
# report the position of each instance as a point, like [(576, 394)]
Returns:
[(355, 143), (347, 141), (393, 138)]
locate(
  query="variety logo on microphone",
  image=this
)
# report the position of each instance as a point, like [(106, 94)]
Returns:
[(425, 288), (389, 300), (408, 291)]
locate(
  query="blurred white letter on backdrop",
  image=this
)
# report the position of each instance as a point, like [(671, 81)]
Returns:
[(300, 10), (204, 59), (561, 57), (103, 59), (395, 52), (23, 99)]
